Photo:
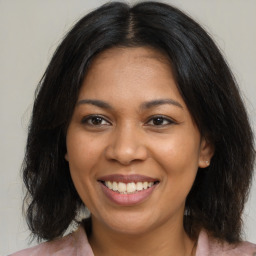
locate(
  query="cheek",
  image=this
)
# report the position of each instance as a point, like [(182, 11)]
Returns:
[(180, 169), (82, 161), (178, 157), (81, 157), (178, 153)]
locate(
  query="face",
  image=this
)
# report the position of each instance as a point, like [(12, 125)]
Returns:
[(132, 146)]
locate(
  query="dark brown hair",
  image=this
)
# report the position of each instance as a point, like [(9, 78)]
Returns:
[(206, 84)]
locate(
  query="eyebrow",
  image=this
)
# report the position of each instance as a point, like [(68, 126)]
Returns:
[(144, 105), (158, 102), (98, 103)]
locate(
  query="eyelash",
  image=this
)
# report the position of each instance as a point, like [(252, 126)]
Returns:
[(168, 120), (88, 120)]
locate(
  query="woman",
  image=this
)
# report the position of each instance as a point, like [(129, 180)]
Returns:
[(139, 119)]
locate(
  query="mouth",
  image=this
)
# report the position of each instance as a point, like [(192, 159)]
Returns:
[(128, 188)]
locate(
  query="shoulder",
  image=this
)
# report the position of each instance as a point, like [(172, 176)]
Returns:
[(208, 246), (74, 244)]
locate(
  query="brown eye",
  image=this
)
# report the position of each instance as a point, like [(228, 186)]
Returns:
[(95, 120), (160, 121)]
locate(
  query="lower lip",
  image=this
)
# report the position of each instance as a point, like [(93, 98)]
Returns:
[(127, 199)]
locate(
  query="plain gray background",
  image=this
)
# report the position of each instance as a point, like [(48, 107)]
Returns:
[(30, 32)]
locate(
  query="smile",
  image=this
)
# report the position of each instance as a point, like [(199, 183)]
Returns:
[(128, 188)]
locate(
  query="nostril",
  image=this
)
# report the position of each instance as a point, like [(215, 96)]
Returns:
[(126, 150)]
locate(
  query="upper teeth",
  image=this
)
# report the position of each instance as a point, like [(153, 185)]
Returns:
[(126, 188)]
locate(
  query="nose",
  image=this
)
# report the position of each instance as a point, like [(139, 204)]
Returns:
[(126, 146)]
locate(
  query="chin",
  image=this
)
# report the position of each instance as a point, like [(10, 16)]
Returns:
[(130, 223)]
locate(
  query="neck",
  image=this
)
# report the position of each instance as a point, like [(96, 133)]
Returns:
[(164, 240)]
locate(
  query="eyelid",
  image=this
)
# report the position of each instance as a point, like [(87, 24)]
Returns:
[(170, 120), (88, 117)]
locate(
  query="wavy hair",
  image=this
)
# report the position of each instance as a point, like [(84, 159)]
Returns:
[(217, 198)]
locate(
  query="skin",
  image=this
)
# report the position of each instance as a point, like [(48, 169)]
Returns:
[(129, 139)]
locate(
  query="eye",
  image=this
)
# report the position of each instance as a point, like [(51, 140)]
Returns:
[(159, 121), (95, 120)]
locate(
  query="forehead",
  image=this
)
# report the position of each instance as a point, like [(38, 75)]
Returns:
[(135, 53), (140, 73), (129, 65)]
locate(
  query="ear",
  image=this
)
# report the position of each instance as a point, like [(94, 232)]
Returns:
[(206, 153), (66, 157)]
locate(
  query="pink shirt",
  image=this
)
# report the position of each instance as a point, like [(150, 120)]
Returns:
[(76, 244)]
